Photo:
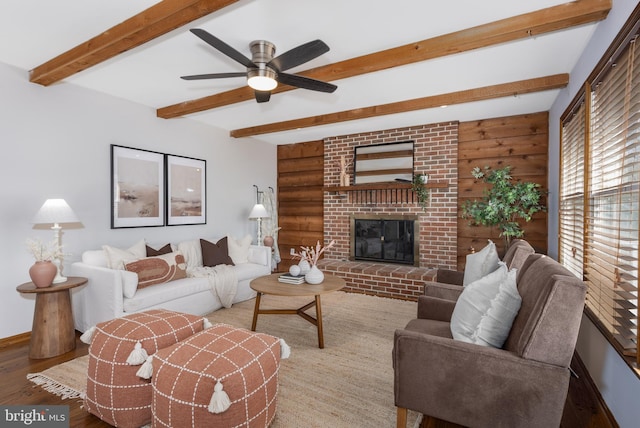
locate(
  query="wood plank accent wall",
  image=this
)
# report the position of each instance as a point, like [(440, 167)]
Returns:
[(300, 197), (518, 141)]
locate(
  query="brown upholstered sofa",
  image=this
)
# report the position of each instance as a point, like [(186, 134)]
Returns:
[(524, 384), (516, 254)]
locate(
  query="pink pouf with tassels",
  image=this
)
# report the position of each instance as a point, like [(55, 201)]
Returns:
[(221, 377), (115, 391)]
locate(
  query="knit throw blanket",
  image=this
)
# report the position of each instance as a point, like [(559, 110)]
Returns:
[(223, 281)]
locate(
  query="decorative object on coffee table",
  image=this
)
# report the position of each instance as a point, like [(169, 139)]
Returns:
[(311, 255), (294, 270), (314, 276), (55, 212), (304, 267)]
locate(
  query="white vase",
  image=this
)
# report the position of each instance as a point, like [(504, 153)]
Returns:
[(304, 267), (314, 276)]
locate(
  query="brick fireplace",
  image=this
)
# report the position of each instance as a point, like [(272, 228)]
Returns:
[(435, 154)]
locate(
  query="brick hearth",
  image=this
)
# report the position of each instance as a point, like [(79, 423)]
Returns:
[(380, 279), (435, 154)]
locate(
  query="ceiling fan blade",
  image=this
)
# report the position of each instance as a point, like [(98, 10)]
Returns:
[(223, 47), (299, 55), (213, 76), (305, 82), (262, 96)]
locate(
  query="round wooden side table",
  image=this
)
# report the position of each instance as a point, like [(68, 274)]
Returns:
[(52, 332)]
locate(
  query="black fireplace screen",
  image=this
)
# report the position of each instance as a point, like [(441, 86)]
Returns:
[(384, 240)]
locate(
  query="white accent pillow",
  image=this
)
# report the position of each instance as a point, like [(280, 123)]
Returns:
[(257, 256), (129, 283), (192, 253), (239, 249), (485, 310), (95, 258), (116, 257), (481, 264)]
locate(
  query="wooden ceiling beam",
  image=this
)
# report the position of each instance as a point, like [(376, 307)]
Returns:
[(153, 22), (546, 83), (518, 27)]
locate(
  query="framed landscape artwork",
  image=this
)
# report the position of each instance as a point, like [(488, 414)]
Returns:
[(186, 190), (137, 187)]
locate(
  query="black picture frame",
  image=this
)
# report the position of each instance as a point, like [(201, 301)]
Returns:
[(137, 187), (186, 184)]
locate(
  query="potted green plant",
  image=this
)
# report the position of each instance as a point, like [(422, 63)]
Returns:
[(418, 187), (504, 202)]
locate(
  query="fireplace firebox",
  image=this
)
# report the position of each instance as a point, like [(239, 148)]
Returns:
[(387, 239)]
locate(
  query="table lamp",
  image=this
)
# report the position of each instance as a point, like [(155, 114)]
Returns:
[(258, 212), (56, 212)]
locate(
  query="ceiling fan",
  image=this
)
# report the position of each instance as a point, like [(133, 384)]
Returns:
[(263, 70)]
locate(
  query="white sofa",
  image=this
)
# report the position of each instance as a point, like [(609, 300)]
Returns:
[(103, 297)]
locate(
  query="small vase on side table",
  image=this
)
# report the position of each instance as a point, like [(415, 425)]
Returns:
[(42, 273)]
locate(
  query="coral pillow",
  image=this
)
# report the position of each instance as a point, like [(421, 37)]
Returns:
[(485, 310), (239, 249), (158, 270), (215, 254)]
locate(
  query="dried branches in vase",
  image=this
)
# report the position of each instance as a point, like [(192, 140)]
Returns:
[(311, 254), (343, 167)]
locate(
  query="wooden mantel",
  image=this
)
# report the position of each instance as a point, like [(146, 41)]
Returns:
[(384, 193), (383, 186)]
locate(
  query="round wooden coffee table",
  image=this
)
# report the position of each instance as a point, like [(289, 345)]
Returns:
[(269, 284)]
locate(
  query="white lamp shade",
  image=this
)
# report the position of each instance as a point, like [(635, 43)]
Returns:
[(55, 211), (258, 211)]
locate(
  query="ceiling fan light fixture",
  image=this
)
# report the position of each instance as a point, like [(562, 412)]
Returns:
[(262, 79)]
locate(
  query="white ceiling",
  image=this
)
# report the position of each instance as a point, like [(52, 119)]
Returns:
[(32, 32)]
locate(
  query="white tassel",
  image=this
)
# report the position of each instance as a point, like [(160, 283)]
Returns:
[(207, 324), (146, 370), (87, 336), (137, 356), (285, 350), (219, 400)]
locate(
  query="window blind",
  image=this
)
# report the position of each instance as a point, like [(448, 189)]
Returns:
[(572, 167), (613, 199)]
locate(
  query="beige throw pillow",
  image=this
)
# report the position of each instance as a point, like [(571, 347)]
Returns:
[(239, 249), (117, 257)]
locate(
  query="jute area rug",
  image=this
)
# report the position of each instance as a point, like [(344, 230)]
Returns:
[(349, 383)]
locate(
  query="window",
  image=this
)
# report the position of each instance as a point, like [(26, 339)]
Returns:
[(571, 216), (600, 190)]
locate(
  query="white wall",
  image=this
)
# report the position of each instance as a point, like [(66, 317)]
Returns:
[(56, 144), (619, 386)]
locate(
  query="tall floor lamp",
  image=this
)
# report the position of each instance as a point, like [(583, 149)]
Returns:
[(258, 213), (56, 212)]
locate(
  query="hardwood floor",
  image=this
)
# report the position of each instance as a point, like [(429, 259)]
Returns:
[(582, 409)]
